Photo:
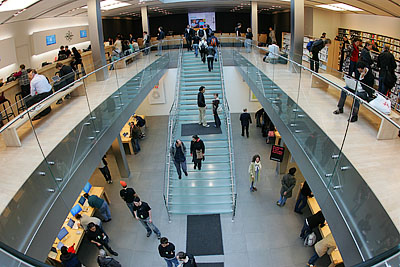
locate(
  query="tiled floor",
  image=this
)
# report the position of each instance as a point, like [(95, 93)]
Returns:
[(261, 235)]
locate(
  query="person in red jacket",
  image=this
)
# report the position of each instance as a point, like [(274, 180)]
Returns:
[(354, 53)]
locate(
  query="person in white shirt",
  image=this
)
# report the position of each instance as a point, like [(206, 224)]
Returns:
[(273, 54), (40, 89), (203, 49), (146, 42), (84, 220), (118, 44)]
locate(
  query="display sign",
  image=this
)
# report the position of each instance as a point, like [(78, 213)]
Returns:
[(83, 33), (50, 39), (200, 20), (277, 153)]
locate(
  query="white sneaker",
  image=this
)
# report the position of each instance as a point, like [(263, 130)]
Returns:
[(206, 125)]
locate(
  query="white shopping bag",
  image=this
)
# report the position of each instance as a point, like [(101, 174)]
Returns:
[(382, 104)]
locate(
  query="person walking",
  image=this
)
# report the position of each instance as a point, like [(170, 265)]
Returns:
[(146, 41), (249, 38), (215, 105), (128, 194), (160, 38), (196, 42), (201, 104), (312, 222), (301, 202), (210, 57), (316, 47), (344, 47), (103, 167), (288, 182), (387, 65), (96, 235), (186, 259), (203, 49), (325, 246), (197, 150), (245, 120), (189, 34), (354, 54), (106, 261), (69, 259), (167, 251), (202, 33), (100, 204), (178, 154), (254, 172), (135, 134), (213, 41), (271, 36), (144, 215)]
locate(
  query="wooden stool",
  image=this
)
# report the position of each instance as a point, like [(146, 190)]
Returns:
[(7, 115), (19, 102)]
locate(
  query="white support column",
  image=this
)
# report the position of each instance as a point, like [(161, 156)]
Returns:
[(254, 20), (96, 38), (297, 31), (145, 19)]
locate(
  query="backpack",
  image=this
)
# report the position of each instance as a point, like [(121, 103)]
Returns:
[(201, 33), (213, 42), (202, 47), (309, 45), (310, 240)]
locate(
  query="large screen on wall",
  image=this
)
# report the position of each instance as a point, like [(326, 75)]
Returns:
[(50, 39), (199, 20)]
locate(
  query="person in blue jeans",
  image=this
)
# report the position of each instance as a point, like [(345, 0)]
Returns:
[(305, 192), (196, 42), (100, 204), (288, 182), (167, 252), (178, 153), (143, 214), (160, 38)]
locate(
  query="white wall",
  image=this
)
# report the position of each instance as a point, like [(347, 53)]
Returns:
[(325, 21), (21, 32), (238, 92)]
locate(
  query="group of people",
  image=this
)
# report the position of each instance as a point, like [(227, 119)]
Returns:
[(65, 53)]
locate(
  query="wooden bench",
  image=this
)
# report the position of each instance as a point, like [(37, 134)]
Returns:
[(386, 130), (10, 134), (122, 64)]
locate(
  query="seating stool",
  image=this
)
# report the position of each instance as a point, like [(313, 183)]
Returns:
[(19, 102), (10, 113)]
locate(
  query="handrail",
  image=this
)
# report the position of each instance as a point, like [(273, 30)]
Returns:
[(229, 132), (171, 125), (18, 256), (21, 115)]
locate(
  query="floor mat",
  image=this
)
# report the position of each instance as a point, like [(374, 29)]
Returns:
[(195, 128), (218, 264), (204, 235)]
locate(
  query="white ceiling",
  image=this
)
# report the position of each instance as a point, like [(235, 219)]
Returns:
[(71, 8)]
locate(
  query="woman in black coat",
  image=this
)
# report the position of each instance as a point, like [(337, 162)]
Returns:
[(197, 150)]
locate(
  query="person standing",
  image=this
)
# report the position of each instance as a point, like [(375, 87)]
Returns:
[(271, 35), (141, 123), (67, 51), (146, 41), (210, 57), (245, 120), (238, 29), (196, 42), (366, 54), (387, 65), (131, 39), (178, 153), (201, 104), (186, 259), (77, 61), (312, 222), (135, 133), (343, 49), (189, 33), (160, 38), (144, 215), (249, 38), (97, 236), (128, 194), (167, 251), (354, 54), (316, 47), (208, 30), (203, 49), (197, 150), (100, 204), (215, 105), (106, 261), (325, 246), (254, 172), (105, 170), (23, 80), (288, 182), (301, 202), (69, 259), (202, 33), (118, 44)]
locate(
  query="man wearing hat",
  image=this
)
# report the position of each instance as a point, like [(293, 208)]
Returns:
[(128, 194)]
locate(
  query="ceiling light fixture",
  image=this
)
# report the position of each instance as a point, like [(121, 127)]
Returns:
[(10, 5), (340, 7)]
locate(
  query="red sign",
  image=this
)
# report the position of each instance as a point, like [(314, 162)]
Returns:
[(277, 153)]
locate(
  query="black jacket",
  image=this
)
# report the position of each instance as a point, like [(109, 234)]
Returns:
[(190, 34), (249, 35), (305, 190), (191, 262), (210, 51), (197, 145), (245, 119), (135, 132), (70, 260), (369, 80), (196, 39), (317, 46), (96, 236), (167, 252), (215, 105), (201, 102), (386, 62), (315, 220), (67, 74), (160, 35), (238, 31), (366, 57)]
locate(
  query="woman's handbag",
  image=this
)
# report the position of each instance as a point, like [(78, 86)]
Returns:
[(271, 137)]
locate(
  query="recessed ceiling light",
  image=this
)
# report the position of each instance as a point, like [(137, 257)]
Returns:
[(10, 5), (340, 7)]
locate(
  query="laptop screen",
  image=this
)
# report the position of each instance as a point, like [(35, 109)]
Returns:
[(76, 209), (82, 200), (63, 232), (71, 223), (60, 245), (87, 187)]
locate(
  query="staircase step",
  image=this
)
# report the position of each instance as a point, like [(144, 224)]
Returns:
[(193, 191), (201, 209), (200, 200), (196, 174), (200, 183)]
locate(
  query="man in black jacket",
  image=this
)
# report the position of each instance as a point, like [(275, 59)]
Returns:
[(201, 103), (366, 54), (316, 47), (160, 38), (186, 259), (178, 154), (245, 120), (167, 251), (312, 222), (96, 235), (189, 34), (386, 65), (305, 192), (67, 75)]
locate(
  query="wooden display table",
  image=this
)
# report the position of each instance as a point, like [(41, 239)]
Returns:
[(127, 130), (75, 236), (335, 256)]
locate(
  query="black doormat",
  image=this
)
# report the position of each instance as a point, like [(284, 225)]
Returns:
[(195, 128), (204, 235), (217, 264)]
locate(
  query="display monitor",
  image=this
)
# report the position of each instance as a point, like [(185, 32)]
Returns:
[(71, 223), (87, 187), (76, 209), (50, 39), (83, 33), (60, 245), (82, 200), (63, 232), (200, 20)]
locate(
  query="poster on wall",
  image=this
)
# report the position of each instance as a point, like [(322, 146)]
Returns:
[(253, 98), (157, 94), (199, 20)]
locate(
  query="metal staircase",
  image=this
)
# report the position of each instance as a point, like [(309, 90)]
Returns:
[(211, 190)]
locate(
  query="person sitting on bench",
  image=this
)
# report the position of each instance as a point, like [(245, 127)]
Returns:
[(40, 89), (67, 75)]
